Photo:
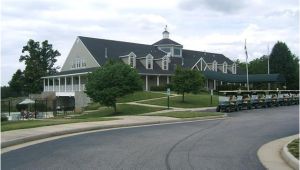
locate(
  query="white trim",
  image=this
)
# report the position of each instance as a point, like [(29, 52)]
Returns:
[(89, 52), (149, 57), (65, 83), (79, 89), (225, 67), (157, 80), (146, 77), (63, 75), (197, 62), (75, 43), (64, 93)]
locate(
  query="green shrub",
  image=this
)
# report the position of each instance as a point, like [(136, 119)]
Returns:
[(161, 87), (4, 118)]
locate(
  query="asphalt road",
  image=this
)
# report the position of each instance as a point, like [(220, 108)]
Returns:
[(219, 144)]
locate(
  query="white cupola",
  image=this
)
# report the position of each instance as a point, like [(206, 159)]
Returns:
[(166, 33)]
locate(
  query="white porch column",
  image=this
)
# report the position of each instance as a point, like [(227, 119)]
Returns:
[(207, 84), (48, 84), (65, 84), (157, 80), (79, 82), (221, 83), (58, 83), (168, 80), (44, 85), (146, 82), (215, 85), (53, 84), (72, 84)]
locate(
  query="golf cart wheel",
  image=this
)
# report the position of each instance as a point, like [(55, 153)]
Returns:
[(218, 109)]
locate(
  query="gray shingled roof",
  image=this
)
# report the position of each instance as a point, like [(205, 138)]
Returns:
[(191, 57), (166, 41), (118, 48)]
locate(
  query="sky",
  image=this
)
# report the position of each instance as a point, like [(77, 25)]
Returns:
[(219, 26)]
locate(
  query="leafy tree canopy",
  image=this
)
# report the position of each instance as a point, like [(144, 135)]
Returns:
[(187, 81), (282, 61), (39, 60), (111, 81), (17, 82)]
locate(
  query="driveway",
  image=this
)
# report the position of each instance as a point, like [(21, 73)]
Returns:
[(218, 144)]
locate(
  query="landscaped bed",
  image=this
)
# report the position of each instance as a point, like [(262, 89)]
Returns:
[(293, 148), (189, 114), (100, 115), (191, 101)]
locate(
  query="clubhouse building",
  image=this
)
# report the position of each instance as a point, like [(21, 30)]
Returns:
[(155, 63)]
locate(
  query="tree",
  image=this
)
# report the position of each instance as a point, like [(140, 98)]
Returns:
[(112, 81), (39, 61), (186, 81), (16, 84), (282, 61)]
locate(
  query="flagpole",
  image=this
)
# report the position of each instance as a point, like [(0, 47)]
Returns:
[(247, 66)]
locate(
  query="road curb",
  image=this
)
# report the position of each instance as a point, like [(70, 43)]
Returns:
[(270, 156), (288, 157), (100, 127)]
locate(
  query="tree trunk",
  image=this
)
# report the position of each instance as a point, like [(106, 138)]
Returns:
[(183, 97)]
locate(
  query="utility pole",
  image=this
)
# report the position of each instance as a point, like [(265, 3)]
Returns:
[(269, 85), (247, 66)]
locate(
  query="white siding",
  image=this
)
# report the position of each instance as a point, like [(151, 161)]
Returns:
[(79, 51)]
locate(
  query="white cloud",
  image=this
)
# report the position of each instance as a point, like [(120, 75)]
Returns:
[(214, 26)]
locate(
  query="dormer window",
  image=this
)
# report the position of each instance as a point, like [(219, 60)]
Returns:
[(233, 68), (177, 52), (132, 61), (165, 64), (215, 66), (224, 67), (149, 62)]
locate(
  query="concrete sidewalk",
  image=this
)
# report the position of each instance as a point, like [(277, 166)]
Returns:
[(15, 137), (270, 154)]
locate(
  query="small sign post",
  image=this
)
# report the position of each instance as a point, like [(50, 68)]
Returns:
[(211, 95), (168, 93)]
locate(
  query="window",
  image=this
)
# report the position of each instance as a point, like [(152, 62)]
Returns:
[(78, 63), (177, 51), (165, 63), (83, 64), (233, 68), (224, 67), (149, 62), (214, 66), (132, 61)]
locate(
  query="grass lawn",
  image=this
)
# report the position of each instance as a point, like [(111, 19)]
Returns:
[(140, 95), (294, 148), (99, 115), (191, 101), (187, 114), (122, 110)]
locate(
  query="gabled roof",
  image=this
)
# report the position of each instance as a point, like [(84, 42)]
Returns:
[(166, 41), (118, 48), (191, 57)]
